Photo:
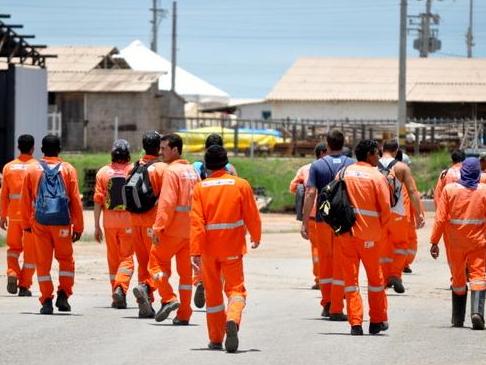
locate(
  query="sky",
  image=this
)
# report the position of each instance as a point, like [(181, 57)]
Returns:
[(245, 47)]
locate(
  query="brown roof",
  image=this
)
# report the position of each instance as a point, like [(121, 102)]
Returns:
[(376, 79)]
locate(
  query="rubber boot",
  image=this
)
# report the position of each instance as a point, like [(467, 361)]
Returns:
[(477, 309), (458, 309)]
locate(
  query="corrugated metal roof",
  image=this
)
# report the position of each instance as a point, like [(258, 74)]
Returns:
[(376, 79), (77, 58), (102, 81)]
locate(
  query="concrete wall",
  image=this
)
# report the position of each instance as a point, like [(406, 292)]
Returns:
[(334, 110), (253, 111)]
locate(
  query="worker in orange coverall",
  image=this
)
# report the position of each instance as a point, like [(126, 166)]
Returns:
[(18, 241), (462, 214), (223, 208), (171, 232), (110, 180), (301, 178), (369, 195), (142, 226), (53, 239)]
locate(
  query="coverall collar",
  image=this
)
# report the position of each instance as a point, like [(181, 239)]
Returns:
[(146, 158), (119, 164), (363, 163), (218, 173), (52, 159), (25, 157), (180, 161)]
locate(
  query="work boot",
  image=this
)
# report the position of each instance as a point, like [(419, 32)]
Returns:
[(12, 284), (458, 309), (356, 330), (145, 309), (376, 328), (179, 322), (397, 284), (231, 343), (325, 310), (338, 317), (119, 299), (165, 310), (215, 346), (407, 270), (199, 298), (62, 302), (477, 309), (47, 307), (24, 292), (315, 287)]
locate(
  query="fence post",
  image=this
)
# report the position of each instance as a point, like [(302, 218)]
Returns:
[(363, 131), (417, 141), (235, 142), (371, 132), (432, 134), (424, 134), (294, 138), (355, 137)]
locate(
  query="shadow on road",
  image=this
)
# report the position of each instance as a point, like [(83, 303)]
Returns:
[(237, 352), (54, 314), (171, 325)]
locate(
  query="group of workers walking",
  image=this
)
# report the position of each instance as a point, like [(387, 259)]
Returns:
[(159, 208), (162, 207)]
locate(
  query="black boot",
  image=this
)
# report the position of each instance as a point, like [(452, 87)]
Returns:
[(477, 309), (458, 309), (62, 302)]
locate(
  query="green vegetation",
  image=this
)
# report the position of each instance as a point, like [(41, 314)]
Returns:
[(274, 174), (2, 241)]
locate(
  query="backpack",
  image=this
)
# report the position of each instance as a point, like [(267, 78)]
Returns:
[(203, 172), (393, 183), (299, 202), (52, 203), (137, 193), (114, 199), (334, 207)]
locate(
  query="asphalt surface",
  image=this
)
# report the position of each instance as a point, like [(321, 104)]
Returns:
[(281, 323)]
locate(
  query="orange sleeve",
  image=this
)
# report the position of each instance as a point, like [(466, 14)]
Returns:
[(440, 218), (75, 205), (383, 199), (27, 200), (298, 179), (167, 202), (100, 188), (251, 215), (198, 223), (438, 189), (4, 196)]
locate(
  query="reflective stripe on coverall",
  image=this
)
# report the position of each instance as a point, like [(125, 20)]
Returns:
[(369, 194), (18, 241), (461, 214), (172, 226), (223, 207), (117, 228), (53, 240)]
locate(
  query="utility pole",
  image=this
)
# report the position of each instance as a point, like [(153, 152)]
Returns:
[(427, 41), (424, 48), (402, 75), (469, 35), (174, 46), (157, 15)]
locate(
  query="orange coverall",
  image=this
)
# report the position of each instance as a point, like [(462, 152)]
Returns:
[(301, 177), (222, 206), (412, 234), (461, 215), (18, 241), (142, 225), (52, 240), (172, 227), (117, 227), (369, 195)]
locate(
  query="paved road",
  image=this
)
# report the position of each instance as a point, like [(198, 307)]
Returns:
[(281, 323)]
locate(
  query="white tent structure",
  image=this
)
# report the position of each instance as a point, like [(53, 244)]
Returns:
[(189, 86)]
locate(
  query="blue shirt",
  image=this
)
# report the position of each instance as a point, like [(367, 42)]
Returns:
[(324, 170), (203, 172)]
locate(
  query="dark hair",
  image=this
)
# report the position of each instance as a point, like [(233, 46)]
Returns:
[(399, 156), (151, 143), (319, 149), (390, 145), (335, 140), (51, 145), (214, 139), (119, 156), (25, 143), (458, 156), (174, 140), (364, 147)]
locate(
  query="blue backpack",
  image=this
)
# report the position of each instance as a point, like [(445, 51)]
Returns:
[(52, 204)]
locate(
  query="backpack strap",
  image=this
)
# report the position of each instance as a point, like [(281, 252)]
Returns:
[(391, 164), (444, 174)]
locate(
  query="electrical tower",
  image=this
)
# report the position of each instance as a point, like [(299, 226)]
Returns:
[(157, 14), (427, 41), (469, 34)]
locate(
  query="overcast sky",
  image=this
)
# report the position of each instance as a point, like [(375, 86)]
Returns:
[(244, 47)]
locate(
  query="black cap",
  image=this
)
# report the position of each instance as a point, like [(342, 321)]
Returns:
[(215, 158)]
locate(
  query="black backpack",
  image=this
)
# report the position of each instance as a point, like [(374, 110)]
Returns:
[(137, 194), (393, 184), (334, 206), (299, 202), (115, 193)]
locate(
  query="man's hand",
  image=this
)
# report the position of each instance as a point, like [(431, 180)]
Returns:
[(255, 244), (304, 231), (420, 221), (3, 223), (434, 251), (196, 263), (76, 236), (98, 234)]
